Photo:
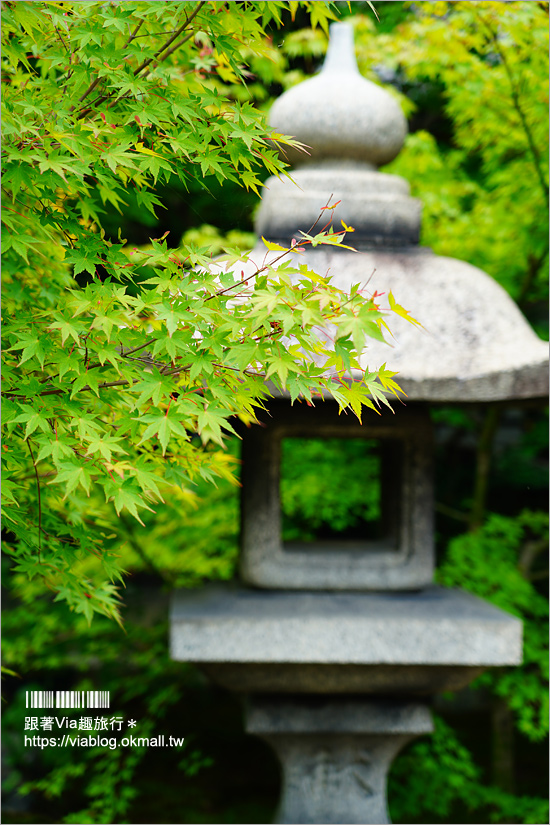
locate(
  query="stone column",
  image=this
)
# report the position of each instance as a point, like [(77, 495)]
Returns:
[(335, 753)]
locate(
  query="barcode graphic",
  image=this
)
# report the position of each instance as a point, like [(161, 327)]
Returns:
[(68, 699)]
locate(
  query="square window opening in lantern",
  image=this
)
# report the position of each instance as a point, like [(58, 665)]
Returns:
[(339, 493)]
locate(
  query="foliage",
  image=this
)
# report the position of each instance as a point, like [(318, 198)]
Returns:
[(328, 487), (482, 202), (123, 367), (98, 783), (485, 191), (438, 774), (494, 563), (475, 80)]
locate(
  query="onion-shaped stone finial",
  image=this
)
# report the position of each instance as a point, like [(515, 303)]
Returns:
[(340, 114)]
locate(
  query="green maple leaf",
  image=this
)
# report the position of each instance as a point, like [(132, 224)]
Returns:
[(32, 346), (127, 497), (153, 387), (66, 329), (72, 476), (106, 445)]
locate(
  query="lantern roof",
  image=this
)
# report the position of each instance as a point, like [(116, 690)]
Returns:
[(474, 344)]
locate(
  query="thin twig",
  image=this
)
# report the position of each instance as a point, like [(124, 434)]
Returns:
[(240, 283), (88, 91), (134, 33), (94, 83), (305, 242), (177, 46), (87, 388), (98, 364), (67, 49), (153, 34), (170, 40), (141, 346)]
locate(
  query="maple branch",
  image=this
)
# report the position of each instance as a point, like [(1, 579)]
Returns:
[(134, 33), (67, 49), (239, 283), (263, 268), (94, 83), (161, 54), (177, 46), (171, 40), (88, 91), (153, 34), (236, 369), (326, 206), (136, 349), (108, 384), (87, 388), (97, 364)]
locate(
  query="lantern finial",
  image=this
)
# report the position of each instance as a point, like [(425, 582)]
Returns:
[(340, 114), (340, 55)]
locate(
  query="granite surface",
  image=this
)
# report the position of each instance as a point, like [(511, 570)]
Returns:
[(339, 679), (339, 113), (312, 714), (376, 205), (474, 344), (401, 558), (335, 754), (432, 627)]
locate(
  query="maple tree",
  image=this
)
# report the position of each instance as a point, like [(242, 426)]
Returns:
[(124, 367)]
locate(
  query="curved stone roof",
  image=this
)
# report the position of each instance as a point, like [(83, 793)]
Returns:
[(475, 345)]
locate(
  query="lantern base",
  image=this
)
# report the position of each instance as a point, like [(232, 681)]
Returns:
[(400, 680), (335, 753), (261, 641)]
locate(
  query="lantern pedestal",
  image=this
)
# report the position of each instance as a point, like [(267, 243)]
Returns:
[(315, 665), (335, 753)]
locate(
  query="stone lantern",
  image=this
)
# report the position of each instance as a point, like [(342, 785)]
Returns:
[(338, 645)]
